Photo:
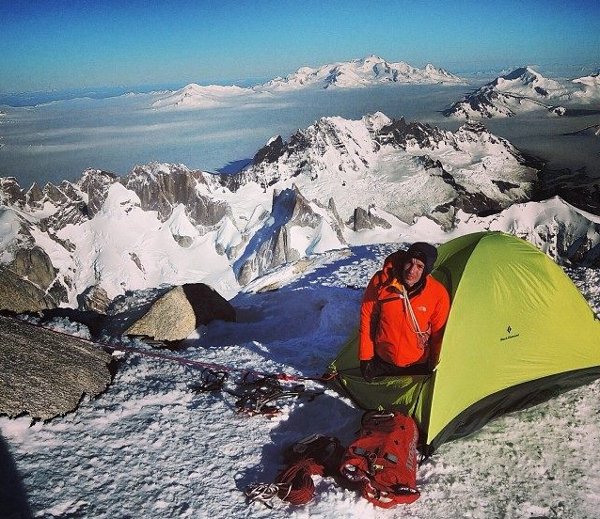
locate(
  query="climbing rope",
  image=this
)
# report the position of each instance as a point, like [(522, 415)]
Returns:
[(413, 318), (116, 345), (315, 455), (298, 477)]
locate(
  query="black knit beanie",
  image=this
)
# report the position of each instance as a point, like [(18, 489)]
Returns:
[(424, 252)]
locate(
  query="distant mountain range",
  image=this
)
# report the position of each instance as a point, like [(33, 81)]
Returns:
[(363, 72), (524, 90), (358, 73), (334, 184)]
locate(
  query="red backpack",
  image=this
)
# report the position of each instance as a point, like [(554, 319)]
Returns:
[(382, 461)]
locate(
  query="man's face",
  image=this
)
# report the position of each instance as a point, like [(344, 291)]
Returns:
[(412, 271)]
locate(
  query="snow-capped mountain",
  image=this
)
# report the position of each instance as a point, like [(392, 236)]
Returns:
[(590, 88), (212, 96), (334, 184), (362, 72), (418, 169), (521, 90), (157, 225)]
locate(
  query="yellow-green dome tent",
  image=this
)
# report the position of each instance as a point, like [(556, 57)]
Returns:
[(518, 333)]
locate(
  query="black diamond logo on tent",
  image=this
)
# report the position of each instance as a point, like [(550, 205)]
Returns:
[(509, 329)]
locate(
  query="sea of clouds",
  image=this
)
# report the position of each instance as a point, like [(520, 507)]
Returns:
[(59, 139)]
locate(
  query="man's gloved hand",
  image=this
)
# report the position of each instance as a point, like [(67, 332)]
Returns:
[(366, 370)]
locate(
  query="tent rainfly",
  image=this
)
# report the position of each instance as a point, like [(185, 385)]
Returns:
[(518, 333)]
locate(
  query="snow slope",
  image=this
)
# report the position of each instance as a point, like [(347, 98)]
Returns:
[(149, 447), (144, 252)]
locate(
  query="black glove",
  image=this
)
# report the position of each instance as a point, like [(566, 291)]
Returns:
[(366, 370)]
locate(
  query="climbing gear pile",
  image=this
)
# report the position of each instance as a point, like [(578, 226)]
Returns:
[(382, 461), (256, 394)]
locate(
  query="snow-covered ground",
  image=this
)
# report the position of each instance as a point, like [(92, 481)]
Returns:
[(149, 447)]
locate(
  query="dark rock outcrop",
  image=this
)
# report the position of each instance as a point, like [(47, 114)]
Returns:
[(363, 219), (45, 374), (56, 195), (19, 295), (400, 133), (34, 196), (161, 190), (11, 192), (35, 265), (95, 184), (274, 149), (94, 299), (29, 283)]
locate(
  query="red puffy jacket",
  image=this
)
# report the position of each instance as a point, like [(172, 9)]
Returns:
[(386, 327)]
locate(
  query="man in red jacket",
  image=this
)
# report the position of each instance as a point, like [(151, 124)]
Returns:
[(402, 316)]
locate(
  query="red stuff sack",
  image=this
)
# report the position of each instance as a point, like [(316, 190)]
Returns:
[(382, 461)]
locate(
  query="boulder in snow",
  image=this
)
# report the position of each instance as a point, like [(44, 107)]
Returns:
[(178, 312)]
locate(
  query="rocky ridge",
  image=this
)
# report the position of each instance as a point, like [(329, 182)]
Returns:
[(333, 184), (421, 169)]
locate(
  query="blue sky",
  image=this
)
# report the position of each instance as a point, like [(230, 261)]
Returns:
[(56, 44)]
